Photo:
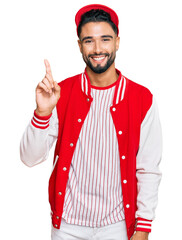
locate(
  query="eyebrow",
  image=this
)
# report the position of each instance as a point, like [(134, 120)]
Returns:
[(107, 36), (85, 38), (103, 36)]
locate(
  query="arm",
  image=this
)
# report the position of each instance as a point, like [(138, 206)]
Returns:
[(148, 173), (39, 136)]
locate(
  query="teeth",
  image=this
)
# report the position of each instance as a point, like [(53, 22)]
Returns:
[(99, 58)]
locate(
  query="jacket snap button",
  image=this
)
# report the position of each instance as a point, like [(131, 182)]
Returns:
[(127, 205), (79, 120), (57, 217), (71, 144), (120, 132), (60, 193), (56, 225), (114, 109), (123, 157), (125, 181), (88, 99), (64, 169)]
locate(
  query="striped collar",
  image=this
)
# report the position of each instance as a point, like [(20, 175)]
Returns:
[(119, 88)]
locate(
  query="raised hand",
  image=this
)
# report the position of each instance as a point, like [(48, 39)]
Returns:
[(47, 93)]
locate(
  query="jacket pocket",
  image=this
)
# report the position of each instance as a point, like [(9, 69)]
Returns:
[(54, 165)]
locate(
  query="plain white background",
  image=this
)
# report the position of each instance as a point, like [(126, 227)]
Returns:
[(150, 54)]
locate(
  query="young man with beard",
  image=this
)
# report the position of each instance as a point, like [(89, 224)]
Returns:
[(105, 177)]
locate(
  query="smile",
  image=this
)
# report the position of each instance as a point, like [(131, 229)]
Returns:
[(99, 59)]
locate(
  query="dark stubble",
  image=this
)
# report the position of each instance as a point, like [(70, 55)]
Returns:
[(99, 68)]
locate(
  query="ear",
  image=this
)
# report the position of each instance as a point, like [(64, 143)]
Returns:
[(80, 45), (117, 43)]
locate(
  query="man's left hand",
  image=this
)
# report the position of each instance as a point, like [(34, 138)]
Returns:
[(140, 236)]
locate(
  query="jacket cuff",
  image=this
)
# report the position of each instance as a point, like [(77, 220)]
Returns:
[(41, 122), (143, 225)]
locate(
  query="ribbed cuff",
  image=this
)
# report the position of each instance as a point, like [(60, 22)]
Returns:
[(41, 122), (143, 225)]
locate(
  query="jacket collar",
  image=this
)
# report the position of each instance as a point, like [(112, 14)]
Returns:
[(119, 89)]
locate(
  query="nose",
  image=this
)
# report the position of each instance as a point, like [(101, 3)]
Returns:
[(97, 47)]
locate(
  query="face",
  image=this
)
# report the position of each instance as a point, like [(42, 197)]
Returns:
[(98, 44)]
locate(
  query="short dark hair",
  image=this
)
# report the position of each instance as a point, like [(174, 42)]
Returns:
[(96, 15)]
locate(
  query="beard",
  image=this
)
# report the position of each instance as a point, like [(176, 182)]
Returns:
[(100, 69)]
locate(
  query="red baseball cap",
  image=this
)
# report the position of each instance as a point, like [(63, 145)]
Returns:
[(83, 10)]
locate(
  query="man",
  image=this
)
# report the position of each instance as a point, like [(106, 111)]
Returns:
[(105, 176)]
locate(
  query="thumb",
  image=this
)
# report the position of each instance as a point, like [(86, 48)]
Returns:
[(57, 88)]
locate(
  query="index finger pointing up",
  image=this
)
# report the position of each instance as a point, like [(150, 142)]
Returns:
[(48, 67)]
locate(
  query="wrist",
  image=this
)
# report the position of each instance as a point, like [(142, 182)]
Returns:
[(41, 122), (141, 235), (43, 113), (143, 225)]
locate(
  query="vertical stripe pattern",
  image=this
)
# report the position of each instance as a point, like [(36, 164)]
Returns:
[(93, 193)]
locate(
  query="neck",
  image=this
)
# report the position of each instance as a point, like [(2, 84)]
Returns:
[(103, 79)]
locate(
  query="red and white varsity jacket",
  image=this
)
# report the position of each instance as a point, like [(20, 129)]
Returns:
[(135, 115)]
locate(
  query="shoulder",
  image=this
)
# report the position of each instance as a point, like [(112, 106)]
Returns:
[(139, 96), (68, 87), (138, 89), (69, 81), (138, 92)]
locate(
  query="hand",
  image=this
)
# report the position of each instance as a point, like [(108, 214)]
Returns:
[(47, 93), (139, 235)]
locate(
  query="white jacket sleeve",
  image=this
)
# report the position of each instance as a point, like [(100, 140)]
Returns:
[(148, 173), (38, 139)]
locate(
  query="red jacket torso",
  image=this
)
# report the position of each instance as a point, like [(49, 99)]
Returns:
[(127, 117)]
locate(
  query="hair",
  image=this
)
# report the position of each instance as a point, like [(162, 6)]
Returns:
[(96, 15)]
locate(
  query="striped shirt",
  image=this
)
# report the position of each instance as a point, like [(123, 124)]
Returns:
[(93, 194)]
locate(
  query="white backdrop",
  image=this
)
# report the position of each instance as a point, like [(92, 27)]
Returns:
[(150, 54)]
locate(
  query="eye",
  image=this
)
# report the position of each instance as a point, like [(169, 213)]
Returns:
[(106, 39), (88, 41)]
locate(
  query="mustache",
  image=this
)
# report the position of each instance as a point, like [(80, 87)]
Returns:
[(100, 54)]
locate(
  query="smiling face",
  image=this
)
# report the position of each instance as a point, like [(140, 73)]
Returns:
[(98, 44)]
